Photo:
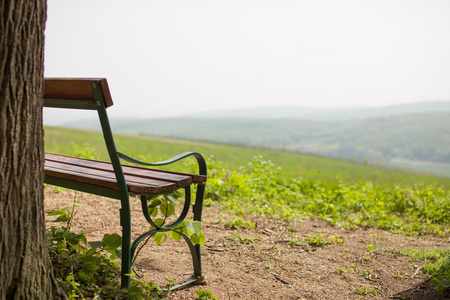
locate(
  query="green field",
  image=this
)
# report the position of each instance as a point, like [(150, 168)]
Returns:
[(293, 165), (246, 182)]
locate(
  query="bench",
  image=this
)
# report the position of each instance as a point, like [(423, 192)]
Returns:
[(115, 180)]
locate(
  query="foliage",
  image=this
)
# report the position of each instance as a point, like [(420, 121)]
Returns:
[(316, 240), (436, 264), (162, 209), (409, 210), (83, 269), (239, 223), (204, 295), (259, 188), (91, 269)]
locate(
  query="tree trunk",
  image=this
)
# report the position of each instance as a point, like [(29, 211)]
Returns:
[(25, 268)]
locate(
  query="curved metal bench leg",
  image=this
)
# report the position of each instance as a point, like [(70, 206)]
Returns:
[(197, 277)]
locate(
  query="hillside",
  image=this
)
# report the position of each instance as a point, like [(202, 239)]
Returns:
[(270, 235), (414, 136), (422, 137), (293, 165), (408, 139)]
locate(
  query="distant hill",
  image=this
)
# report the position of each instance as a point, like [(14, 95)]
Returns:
[(309, 113), (420, 140)]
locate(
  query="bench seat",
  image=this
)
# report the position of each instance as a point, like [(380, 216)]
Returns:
[(140, 180)]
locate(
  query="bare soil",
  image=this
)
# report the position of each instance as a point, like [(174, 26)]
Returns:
[(269, 267)]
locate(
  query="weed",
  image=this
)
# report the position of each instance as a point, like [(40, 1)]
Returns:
[(436, 264), (367, 274), (364, 290), (316, 240), (204, 295), (269, 265), (239, 223), (85, 269), (243, 240)]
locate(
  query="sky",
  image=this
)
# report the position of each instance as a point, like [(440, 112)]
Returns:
[(173, 57)]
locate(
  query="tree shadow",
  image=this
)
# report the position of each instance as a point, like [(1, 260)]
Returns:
[(422, 291)]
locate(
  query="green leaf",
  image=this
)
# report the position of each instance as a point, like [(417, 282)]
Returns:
[(194, 227), (134, 292), (85, 275), (167, 209), (76, 246), (112, 240), (91, 252), (198, 238), (118, 253), (83, 239), (95, 245), (172, 197), (55, 212), (150, 197), (88, 260), (62, 218), (153, 211), (441, 283), (160, 238), (175, 235), (154, 203), (159, 222)]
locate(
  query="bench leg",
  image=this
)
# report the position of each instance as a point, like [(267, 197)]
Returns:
[(125, 222), (198, 209), (197, 277)]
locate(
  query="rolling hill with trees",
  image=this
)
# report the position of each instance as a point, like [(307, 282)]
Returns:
[(417, 140)]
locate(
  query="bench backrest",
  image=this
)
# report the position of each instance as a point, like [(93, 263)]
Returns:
[(92, 94), (77, 93)]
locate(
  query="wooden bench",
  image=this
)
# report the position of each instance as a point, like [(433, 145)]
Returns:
[(114, 180)]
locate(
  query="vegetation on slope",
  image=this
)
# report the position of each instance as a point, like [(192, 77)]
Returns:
[(404, 205), (293, 165)]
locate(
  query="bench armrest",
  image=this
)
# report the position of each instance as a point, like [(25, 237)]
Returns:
[(200, 160)]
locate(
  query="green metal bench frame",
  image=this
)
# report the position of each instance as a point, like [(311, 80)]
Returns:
[(93, 94)]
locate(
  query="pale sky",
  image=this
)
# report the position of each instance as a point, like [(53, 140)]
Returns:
[(173, 57)]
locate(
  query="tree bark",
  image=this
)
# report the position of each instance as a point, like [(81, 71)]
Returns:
[(25, 268)]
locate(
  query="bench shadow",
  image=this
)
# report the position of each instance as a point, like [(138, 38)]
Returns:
[(148, 264), (422, 291)]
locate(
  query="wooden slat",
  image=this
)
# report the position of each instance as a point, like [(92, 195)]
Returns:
[(139, 180), (105, 178), (76, 89), (181, 179)]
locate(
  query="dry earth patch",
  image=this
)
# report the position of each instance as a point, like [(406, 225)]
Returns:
[(271, 261)]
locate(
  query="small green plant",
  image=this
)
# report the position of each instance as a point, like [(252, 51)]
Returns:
[(316, 240), (364, 290), (351, 270), (162, 209), (85, 269), (436, 263), (367, 274), (82, 268), (204, 295), (242, 240), (239, 223), (269, 265)]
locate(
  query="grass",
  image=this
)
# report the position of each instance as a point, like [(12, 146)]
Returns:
[(244, 183), (63, 140)]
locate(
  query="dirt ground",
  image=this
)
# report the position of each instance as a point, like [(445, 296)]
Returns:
[(269, 267)]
